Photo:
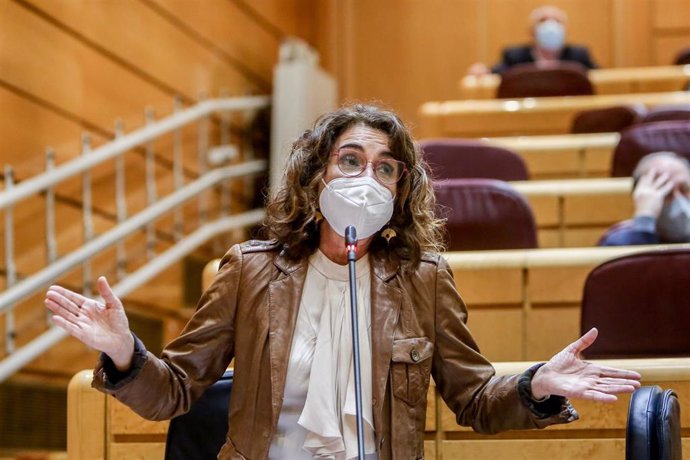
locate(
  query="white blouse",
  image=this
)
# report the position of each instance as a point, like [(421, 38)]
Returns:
[(317, 419)]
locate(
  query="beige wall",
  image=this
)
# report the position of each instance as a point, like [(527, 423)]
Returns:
[(404, 52)]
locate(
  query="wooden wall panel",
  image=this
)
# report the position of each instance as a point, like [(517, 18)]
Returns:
[(24, 148), (405, 51), (142, 34), (666, 48), (671, 14), (226, 26)]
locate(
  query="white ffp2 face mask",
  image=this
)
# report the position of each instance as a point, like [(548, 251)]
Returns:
[(358, 201)]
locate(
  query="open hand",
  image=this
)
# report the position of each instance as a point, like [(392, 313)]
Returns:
[(650, 193), (104, 327), (566, 374)]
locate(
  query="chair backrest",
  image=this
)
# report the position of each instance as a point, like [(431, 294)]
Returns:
[(641, 305), (653, 429), (667, 112), (470, 159), (641, 139), (485, 214), (683, 57), (539, 80), (200, 433), (607, 120)]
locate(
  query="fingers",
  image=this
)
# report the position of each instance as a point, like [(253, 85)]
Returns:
[(77, 299), (71, 328), (106, 292), (59, 304), (661, 180), (585, 341), (665, 188), (619, 373)]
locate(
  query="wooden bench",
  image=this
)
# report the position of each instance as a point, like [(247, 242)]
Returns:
[(100, 427), (528, 116), (564, 210), (598, 435), (624, 80), (562, 156), (536, 310)]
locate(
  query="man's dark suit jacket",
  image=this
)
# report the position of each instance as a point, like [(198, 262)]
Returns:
[(523, 54)]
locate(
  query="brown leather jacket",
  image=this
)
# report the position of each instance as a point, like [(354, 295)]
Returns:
[(249, 313)]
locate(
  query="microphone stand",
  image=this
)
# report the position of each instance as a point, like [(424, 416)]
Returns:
[(351, 248)]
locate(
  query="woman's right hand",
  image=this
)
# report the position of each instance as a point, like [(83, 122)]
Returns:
[(103, 327)]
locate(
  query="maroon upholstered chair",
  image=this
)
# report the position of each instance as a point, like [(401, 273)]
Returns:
[(539, 80), (485, 214), (642, 139), (683, 57), (607, 120), (668, 112), (462, 158), (641, 305)]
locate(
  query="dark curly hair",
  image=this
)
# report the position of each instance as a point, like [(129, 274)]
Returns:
[(292, 210)]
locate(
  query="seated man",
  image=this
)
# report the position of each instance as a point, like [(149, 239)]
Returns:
[(661, 195), (547, 28)]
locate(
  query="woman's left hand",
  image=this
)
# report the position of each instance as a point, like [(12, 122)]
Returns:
[(566, 374)]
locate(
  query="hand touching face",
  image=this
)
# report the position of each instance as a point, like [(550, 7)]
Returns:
[(651, 192)]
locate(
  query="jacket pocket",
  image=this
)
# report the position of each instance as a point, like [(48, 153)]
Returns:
[(229, 452), (411, 368)]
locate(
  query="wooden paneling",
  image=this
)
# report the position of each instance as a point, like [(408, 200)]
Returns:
[(41, 59), (86, 420), (24, 148), (142, 33), (666, 48), (528, 116), (626, 80), (401, 52), (671, 14)]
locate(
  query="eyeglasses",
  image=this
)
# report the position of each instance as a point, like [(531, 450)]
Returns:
[(352, 163)]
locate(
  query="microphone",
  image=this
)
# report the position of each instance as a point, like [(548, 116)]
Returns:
[(351, 243), (351, 248)]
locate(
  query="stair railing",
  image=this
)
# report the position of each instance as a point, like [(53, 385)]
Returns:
[(44, 184)]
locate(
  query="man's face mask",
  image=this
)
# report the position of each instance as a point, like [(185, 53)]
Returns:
[(673, 223), (550, 35)]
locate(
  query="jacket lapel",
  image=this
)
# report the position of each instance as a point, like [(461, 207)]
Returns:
[(386, 300), (284, 294)]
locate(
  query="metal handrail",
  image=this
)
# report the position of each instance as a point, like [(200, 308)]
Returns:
[(120, 145), (46, 182), (53, 335), (40, 279)]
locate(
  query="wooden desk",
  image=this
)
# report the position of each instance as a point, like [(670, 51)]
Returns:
[(528, 116), (99, 427), (564, 212), (599, 434), (562, 156), (623, 80), (536, 310)]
